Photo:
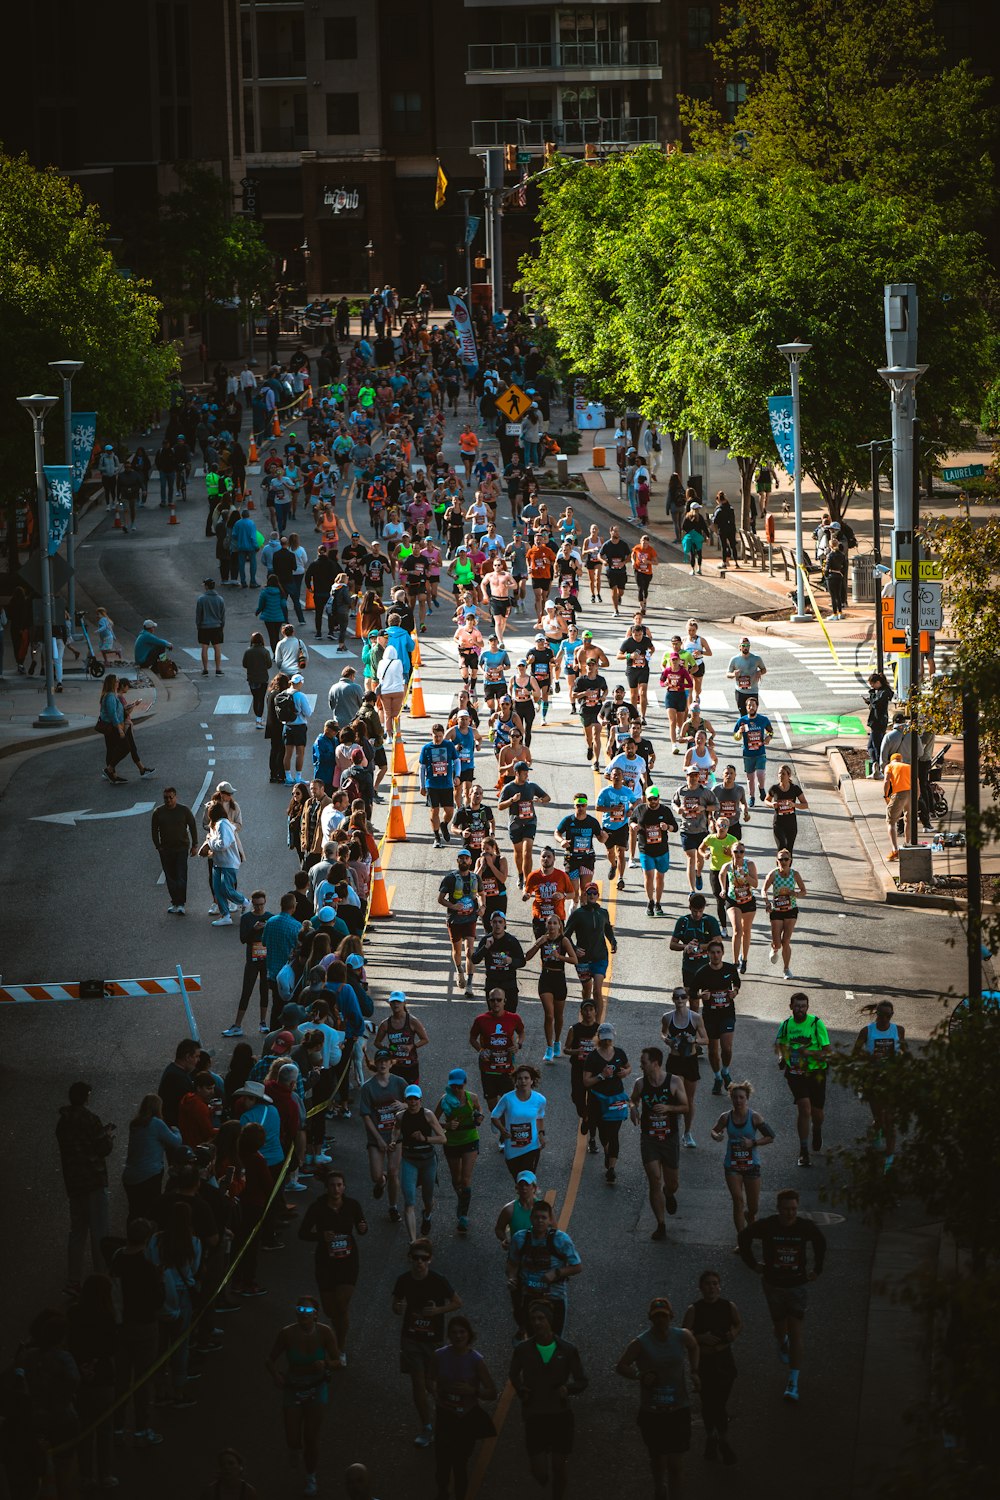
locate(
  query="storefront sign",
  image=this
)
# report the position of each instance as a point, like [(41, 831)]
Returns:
[(343, 202)]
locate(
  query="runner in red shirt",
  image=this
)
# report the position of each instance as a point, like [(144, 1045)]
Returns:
[(547, 890), (497, 1036)]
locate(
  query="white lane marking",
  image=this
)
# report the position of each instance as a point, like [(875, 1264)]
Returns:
[(439, 703), (778, 698), (234, 703), (322, 648), (195, 652), (782, 729)]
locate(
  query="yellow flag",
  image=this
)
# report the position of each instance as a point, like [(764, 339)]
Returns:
[(440, 187)]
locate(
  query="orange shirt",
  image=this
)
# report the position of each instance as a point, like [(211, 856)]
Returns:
[(468, 442), (540, 561), (644, 559), (899, 776), (548, 893)]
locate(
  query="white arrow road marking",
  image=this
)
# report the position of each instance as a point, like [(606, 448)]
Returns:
[(70, 819)]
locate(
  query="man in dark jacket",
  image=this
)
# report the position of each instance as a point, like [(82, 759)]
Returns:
[(724, 521), (319, 577), (545, 1371), (84, 1147)]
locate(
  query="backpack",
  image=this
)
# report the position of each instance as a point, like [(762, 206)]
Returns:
[(285, 710), (847, 535)]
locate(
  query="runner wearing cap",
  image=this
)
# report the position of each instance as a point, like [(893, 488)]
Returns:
[(604, 1074), (459, 1112), (541, 1261), (516, 1215), (310, 1353), (417, 1131), (379, 1102), (459, 894), (501, 955), (653, 820), (402, 1035), (578, 830), (656, 1359), (589, 929), (440, 771), (518, 798)]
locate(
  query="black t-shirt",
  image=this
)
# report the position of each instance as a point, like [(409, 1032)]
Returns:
[(730, 803), (522, 809), (333, 1230), (615, 554), (651, 828), (375, 570), (714, 983), (591, 692), (432, 1289), (474, 823), (174, 1083), (584, 1037), (501, 961), (540, 663), (784, 801), (142, 1290), (635, 651), (607, 1073)]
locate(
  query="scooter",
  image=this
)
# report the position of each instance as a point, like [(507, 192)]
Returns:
[(93, 666)]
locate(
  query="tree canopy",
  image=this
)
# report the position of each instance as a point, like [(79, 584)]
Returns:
[(62, 297), (675, 277)]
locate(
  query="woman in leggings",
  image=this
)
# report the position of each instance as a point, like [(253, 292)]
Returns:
[(716, 1324)]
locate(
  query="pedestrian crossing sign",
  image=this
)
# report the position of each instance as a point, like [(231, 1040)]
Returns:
[(513, 403)]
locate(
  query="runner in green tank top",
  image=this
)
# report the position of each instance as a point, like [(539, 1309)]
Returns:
[(460, 1116)]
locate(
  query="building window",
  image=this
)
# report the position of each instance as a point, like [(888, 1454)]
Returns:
[(699, 27), (736, 95), (342, 114), (406, 112), (340, 37)]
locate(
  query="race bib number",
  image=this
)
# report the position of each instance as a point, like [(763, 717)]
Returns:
[(526, 810), (664, 1396), (521, 1133), (784, 806), (782, 901), (258, 952), (439, 768), (754, 737), (692, 807), (741, 1155), (582, 843), (653, 834), (386, 1117), (743, 681), (338, 1246), (787, 1257)]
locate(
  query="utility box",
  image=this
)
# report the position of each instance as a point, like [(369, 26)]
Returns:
[(916, 864), (562, 467)]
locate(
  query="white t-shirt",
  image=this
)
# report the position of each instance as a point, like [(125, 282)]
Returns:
[(333, 1040), (330, 820), (632, 770), (520, 1117)]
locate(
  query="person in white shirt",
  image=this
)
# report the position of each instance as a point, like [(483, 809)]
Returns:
[(290, 654), (296, 732), (334, 814), (223, 845), (248, 384)]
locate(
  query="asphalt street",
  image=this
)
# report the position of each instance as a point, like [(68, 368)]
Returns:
[(82, 900)]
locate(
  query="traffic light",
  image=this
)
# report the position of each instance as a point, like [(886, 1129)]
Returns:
[(510, 158), (590, 152), (549, 153)]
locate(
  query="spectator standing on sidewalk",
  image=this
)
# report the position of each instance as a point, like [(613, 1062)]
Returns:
[(175, 839), (109, 467), (896, 789), (84, 1147), (346, 698), (210, 621), (835, 575)]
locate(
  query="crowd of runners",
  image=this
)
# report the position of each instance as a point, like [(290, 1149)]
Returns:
[(465, 555)]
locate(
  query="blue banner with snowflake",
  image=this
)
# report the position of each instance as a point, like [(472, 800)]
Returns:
[(84, 437), (783, 427), (59, 485)]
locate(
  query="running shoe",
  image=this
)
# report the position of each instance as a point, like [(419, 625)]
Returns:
[(804, 1160), (774, 955), (670, 1202), (610, 1176), (463, 1225), (649, 908), (789, 974), (445, 834), (718, 1086), (556, 1050), (424, 1438), (223, 922), (791, 1392), (659, 1233), (753, 801), (659, 910), (743, 965), (698, 882), (311, 1486), (233, 1031), (394, 1214), (633, 863), (690, 1141), (621, 885), (592, 1146), (548, 1054), (425, 1224)]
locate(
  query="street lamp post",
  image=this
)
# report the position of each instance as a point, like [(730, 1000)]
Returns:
[(67, 368), (466, 195), (902, 381), (370, 252), (795, 353), (38, 408)]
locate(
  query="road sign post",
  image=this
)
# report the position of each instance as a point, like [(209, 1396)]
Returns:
[(513, 403)]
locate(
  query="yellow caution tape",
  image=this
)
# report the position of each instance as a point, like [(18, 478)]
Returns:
[(819, 617)]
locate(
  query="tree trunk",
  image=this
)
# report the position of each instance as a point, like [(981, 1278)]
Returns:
[(677, 442), (747, 468)]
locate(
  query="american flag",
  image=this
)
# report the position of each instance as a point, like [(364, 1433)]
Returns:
[(521, 195)]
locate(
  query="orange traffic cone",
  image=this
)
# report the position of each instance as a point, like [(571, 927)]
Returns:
[(416, 653), (417, 709), (399, 766), (276, 426), (173, 513), (357, 626), (395, 829), (253, 450), (310, 597), (248, 500), (117, 523), (379, 904)]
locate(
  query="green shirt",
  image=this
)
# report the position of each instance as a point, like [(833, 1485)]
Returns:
[(718, 849), (798, 1040)]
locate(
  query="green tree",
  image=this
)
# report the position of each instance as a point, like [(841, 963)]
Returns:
[(61, 296), (206, 252), (945, 1162), (855, 92)]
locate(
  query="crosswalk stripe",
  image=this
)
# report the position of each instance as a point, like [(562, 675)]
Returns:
[(233, 703), (195, 652), (322, 648)]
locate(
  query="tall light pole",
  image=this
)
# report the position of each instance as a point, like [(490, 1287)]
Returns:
[(466, 195), (902, 381), (38, 408), (67, 368), (795, 353)]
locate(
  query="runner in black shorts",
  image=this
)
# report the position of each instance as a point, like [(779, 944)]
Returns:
[(578, 830), (557, 951), (539, 661), (589, 692), (717, 984), (657, 1106), (616, 554)]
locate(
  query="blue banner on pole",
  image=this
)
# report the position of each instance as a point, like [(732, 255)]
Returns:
[(471, 229), (783, 426), (84, 438), (59, 485)]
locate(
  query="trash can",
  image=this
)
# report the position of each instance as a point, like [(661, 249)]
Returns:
[(865, 587), (597, 458)]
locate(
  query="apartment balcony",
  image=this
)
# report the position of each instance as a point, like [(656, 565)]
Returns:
[(568, 135), (282, 138), (565, 62), (279, 67)]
